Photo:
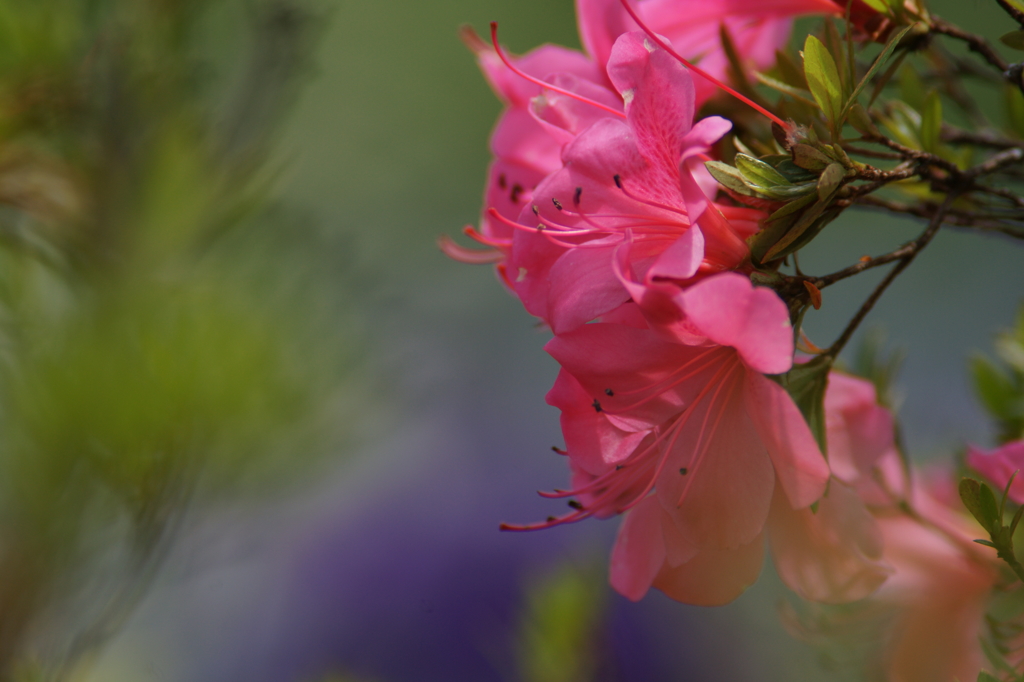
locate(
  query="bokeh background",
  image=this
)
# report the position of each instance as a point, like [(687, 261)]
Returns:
[(385, 563)]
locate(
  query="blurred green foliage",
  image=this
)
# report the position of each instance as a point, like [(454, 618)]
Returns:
[(158, 345), (562, 619), (1000, 384)]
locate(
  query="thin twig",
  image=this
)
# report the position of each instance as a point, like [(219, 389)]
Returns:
[(1017, 15), (914, 154), (981, 222), (996, 162), (873, 154), (983, 139), (914, 248), (1000, 192), (975, 43)]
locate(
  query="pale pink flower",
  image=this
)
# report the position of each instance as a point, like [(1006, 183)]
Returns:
[(832, 554), (835, 555), (940, 589), (860, 431), (999, 464)]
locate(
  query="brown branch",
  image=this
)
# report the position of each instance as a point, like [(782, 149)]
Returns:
[(913, 248), (995, 162), (879, 179), (1017, 15), (1000, 192), (975, 43), (983, 139), (981, 222), (873, 154), (913, 154)]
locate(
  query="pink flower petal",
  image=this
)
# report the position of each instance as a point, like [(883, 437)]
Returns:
[(714, 576), (600, 23), (860, 431), (639, 550), (539, 63), (999, 464), (582, 287), (730, 311), (717, 481), (941, 595), (681, 260), (799, 464), (593, 442), (832, 555), (510, 184), (632, 374), (568, 116), (657, 301)]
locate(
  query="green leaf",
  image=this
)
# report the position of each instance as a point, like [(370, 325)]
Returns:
[(991, 507), (777, 225), (792, 207), (995, 657), (829, 181), (980, 501), (1005, 606), (860, 120), (904, 124), (823, 80), (782, 247), (884, 79), (730, 178), (877, 5), (996, 391), (806, 384), (912, 88), (784, 88), (806, 228), (1014, 106), (877, 64), (1014, 39), (801, 231), (789, 71), (931, 122), (559, 626), (806, 156), (759, 172), (837, 48), (737, 72), (1016, 520)]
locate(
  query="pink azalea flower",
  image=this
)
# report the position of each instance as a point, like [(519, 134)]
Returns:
[(939, 589), (757, 29), (526, 147), (836, 554), (860, 431), (639, 180), (692, 438), (832, 554), (999, 464)]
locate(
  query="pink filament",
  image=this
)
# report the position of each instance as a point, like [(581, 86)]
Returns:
[(537, 81)]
